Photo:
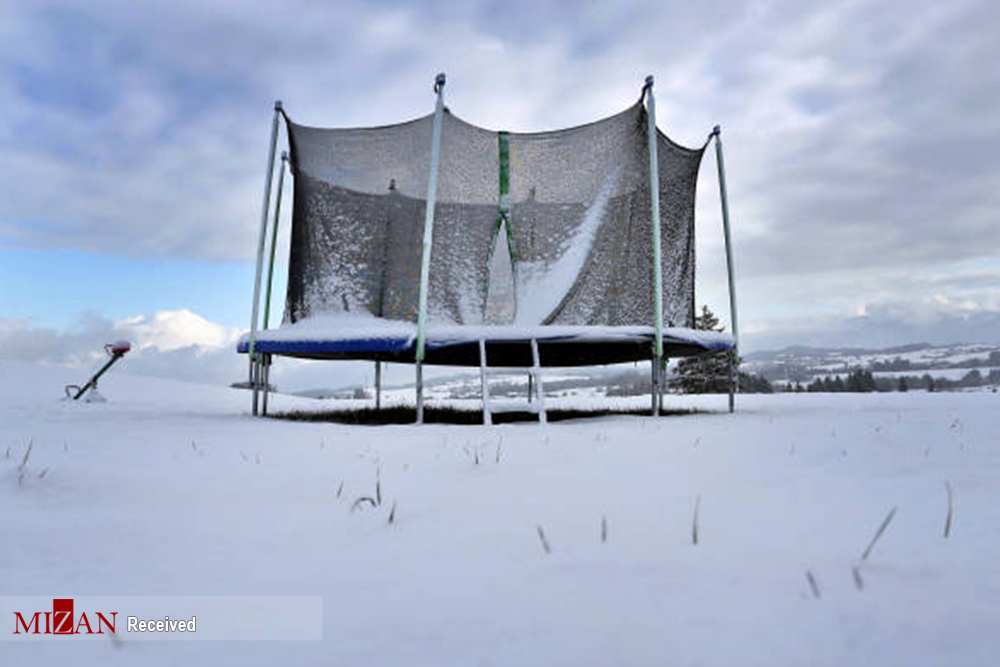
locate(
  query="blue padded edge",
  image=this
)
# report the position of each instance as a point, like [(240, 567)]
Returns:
[(351, 345)]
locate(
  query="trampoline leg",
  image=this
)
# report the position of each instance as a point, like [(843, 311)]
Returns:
[(266, 382), (485, 385), (732, 383), (656, 385), (378, 385), (255, 382), (420, 392), (536, 370), (663, 381)]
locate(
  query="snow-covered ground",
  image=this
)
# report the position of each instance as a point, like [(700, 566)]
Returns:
[(172, 489)]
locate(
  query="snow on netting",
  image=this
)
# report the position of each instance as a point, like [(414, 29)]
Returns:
[(556, 224)]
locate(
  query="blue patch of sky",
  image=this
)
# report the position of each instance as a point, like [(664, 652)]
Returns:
[(53, 287), (816, 101)]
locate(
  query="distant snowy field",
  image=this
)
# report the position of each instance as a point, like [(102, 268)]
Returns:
[(172, 489)]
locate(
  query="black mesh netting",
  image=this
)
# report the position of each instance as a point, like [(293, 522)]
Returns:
[(543, 228)]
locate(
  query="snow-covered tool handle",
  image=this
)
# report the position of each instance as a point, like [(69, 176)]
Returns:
[(116, 351)]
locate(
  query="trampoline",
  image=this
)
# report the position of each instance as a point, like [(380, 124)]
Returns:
[(435, 241)]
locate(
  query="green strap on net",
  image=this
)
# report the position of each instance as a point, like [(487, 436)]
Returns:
[(504, 141), (503, 206)]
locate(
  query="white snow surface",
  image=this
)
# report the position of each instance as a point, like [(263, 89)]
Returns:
[(170, 488)]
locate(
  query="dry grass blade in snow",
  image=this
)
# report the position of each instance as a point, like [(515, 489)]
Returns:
[(545, 542), (363, 499), (812, 584), (859, 583), (604, 529), (27, 455), (878, 533), (947, 521), (24, 463), (392, 513)]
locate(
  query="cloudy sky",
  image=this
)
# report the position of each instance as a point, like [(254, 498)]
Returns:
[(862, 147)]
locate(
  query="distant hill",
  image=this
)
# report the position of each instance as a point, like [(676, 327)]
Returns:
[(801, 363)]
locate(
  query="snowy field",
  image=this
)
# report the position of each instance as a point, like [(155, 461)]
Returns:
[(172, 489)]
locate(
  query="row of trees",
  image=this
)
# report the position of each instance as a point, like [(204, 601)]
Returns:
[(856, 382), (899, 364), (860, 381)]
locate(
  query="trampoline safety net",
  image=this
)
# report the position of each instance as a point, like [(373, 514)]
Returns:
[(529, 229)]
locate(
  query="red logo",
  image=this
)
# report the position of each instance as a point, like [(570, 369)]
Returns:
[(60, 621)]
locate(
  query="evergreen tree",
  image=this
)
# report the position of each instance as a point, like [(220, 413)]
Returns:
[(901, 385), (707, 373)]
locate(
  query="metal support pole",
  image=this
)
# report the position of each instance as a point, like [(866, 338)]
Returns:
[(378, 385), (723, 195), (255, 381), (732, 385), (425, 261), (260, 248), (420, 392), (536, 369), (663, 382), (654, 198), (266, 381), (274, 238), (484, 385), (654, 370)]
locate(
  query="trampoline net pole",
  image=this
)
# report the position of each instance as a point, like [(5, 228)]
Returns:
[(432, 181), (274, 239), (654, 200), (260, 243), (724, 198)]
